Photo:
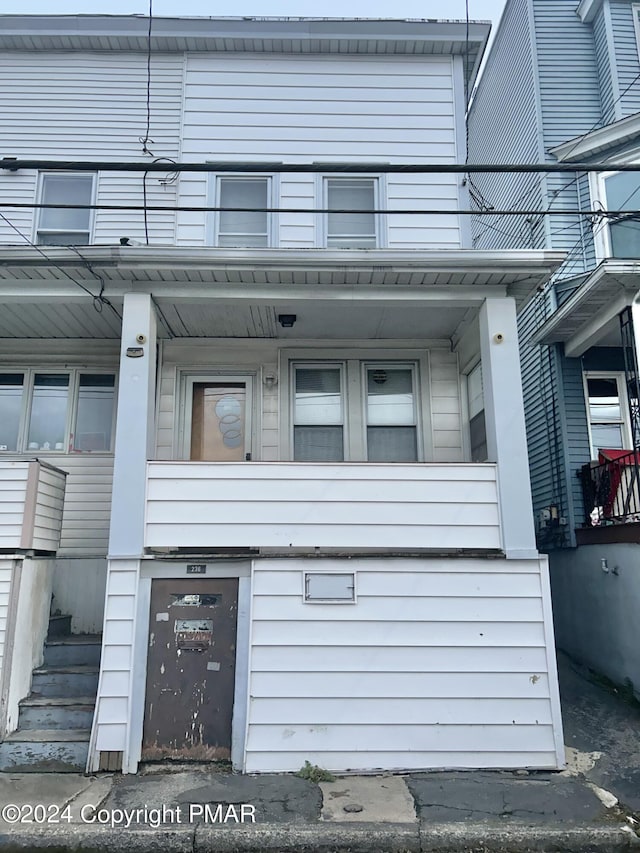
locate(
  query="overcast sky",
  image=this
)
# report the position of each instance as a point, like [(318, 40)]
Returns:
[(452, 9)]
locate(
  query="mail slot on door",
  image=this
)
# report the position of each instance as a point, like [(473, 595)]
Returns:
[(194, 634)]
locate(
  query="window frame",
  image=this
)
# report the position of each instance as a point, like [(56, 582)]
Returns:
[(635, 10), (625, 417), (379, 194), (215, 187), (354, 364), (37, 230), (598, 190), (29, 373)]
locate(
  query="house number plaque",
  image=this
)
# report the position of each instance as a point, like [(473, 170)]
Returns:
[(196, 568)]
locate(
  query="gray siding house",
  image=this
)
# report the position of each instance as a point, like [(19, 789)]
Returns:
[(562, 85)]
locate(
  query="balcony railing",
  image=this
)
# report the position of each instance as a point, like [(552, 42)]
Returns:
[(611, 488)]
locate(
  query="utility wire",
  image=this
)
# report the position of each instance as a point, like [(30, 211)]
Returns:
[(98, 300), (13, 165), (439, 211)]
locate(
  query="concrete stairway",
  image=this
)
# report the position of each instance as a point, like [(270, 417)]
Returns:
[(55, 719)]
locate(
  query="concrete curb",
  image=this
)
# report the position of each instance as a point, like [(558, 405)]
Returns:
[(523, 838), (323, 837)]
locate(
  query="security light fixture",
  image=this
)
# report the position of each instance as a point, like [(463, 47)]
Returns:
[(287, 321)]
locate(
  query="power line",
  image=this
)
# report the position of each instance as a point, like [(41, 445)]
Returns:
[(437, 211), (98, 299), (13, 165)]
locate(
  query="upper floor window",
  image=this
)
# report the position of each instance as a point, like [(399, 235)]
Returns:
[(621, 233), (360, 228), (607, 411), (65, 226), (244, 223), (355, 410), (63, 411)]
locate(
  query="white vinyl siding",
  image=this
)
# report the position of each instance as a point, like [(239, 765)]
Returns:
[(87, 506), (349, 505), (7, 568), (440, 663), (92, 106), (31, 505), (13, 494), (322, 109)]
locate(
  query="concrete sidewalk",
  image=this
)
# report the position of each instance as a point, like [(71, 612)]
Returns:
[(200, 810), (594, 805)]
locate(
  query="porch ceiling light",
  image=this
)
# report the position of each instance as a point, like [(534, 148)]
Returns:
[(287, 321)]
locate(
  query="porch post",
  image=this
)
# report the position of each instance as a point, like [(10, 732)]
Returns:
[(133, 447), (505, 426)]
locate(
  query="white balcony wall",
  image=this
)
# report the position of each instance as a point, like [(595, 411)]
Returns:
[(297, 505), (31, 505), (329, 109), (440, 663)]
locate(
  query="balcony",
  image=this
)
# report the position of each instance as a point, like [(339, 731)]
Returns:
[(311, 507), (31, 503), (611, 494)]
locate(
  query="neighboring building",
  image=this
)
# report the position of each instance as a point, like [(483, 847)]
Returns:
[(562, 84), (290, 527)]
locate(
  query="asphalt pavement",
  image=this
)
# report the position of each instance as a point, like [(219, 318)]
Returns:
[(594, 805)]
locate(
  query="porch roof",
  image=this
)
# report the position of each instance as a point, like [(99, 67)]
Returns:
[(239, 293), (590, 315)]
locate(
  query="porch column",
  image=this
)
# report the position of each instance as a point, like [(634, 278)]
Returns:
[(505, 426), (135, 427), (134, 443)]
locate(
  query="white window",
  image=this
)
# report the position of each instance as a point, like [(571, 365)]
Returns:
[(477, 425), (607, 411), (330, 587), (356, 410), (619, 236), (58, 411), (636, 23), (67, 226), (360, 228), (245, 222)]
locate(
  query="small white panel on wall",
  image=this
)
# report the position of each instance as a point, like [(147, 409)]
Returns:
[(329, 586)]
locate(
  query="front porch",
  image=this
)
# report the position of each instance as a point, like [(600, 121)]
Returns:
[(292, 422)]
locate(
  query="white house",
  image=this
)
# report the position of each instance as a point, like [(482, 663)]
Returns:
[(307, 532)]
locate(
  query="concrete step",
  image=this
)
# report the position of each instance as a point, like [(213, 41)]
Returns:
[(77, 649), (50, 712), (59, 626), (64, 681), (45, 750)]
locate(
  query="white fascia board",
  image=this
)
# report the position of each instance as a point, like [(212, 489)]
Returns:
[(598, 140), (525, 261), (587, 10), (611, 274), (268, 34)]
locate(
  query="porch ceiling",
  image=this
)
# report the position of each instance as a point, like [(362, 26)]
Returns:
[(589, 316), (213, 293)]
